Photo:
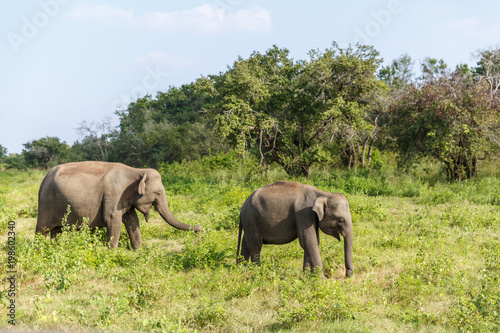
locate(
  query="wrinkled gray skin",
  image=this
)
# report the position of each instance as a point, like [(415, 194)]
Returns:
[(281, 212), (108, 194)]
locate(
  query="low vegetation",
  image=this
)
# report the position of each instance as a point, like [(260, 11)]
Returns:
[(426, 259)]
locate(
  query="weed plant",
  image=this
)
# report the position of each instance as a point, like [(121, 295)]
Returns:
[(426, 258)]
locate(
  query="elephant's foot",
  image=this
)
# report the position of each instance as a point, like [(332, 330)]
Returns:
[(56, 231)]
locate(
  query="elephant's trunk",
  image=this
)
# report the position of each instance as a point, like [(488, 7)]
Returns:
[(162, 209), (348, 239)]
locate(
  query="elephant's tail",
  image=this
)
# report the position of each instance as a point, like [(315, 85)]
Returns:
[(239, 242)]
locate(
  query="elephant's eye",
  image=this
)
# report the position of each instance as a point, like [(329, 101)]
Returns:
[(158, 193), (341, 220)]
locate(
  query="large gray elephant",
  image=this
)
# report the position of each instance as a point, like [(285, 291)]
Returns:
[(281, 212), (105, 193)]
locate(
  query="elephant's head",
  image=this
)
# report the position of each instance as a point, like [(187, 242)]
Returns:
[(151, 193), (334, 218)]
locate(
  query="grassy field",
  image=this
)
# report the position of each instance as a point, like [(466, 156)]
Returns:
[(426, 258)]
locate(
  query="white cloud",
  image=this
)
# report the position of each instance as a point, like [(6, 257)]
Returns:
[(165, 59), (205, 19), (102, 13)]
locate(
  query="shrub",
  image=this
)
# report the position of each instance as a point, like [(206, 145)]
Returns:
[(311, 299), (210, 314), (202, 251), (62, 260)]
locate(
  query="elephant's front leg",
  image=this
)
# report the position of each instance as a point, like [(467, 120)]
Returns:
[(114, 224), (131, 222), (308, 263), (309, 241)]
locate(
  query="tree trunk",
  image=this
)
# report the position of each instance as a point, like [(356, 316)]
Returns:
[(363, 153), (297, 170), (370, 152), (260, 148), (450, 172)]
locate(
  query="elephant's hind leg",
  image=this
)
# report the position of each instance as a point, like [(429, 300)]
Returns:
[(250, 249), (42, 229), (244, 249), (55, 231)]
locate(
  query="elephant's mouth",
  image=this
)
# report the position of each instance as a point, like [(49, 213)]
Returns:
[(332, 232), (144, 212)]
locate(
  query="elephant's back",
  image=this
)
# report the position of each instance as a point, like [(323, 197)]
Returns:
[(74, 182), (78, 185), (79, 169), (279, 193), (271, 202), (81, 174), (280, 187), (268, 213)]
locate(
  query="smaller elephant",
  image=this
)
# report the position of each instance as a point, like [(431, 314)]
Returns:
[(108, 194), (284, 211)]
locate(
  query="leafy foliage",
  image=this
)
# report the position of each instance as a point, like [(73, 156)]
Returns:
[(3, 153), (96, 143), (448, 119), (339, 107), (46, 152), (399, 72), (488, 69), (165, 129), (284, 111)]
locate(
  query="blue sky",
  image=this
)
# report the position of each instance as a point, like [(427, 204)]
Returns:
[(65, 61)]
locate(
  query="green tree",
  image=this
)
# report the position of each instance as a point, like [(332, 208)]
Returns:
[(341, 85), (488, 69), (46, 152), (97, 140), (398, 77), (285, 111), (15, 161), (248, 102), (398, 73), (167, 128), (433, 68), (3, 153), (449, 119)]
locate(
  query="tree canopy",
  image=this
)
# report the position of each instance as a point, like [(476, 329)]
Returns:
[(334, 108), (285, 111), (46, 152), (451, 120)]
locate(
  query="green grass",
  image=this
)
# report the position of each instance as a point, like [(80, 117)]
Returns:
[(426, 258)]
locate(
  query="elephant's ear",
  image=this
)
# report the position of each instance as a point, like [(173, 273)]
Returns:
[(320, 207), (142, 185)]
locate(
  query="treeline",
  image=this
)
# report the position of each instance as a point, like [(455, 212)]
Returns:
[(335, 108)]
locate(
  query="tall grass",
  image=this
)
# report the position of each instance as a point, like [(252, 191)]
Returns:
[(426, 259)]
